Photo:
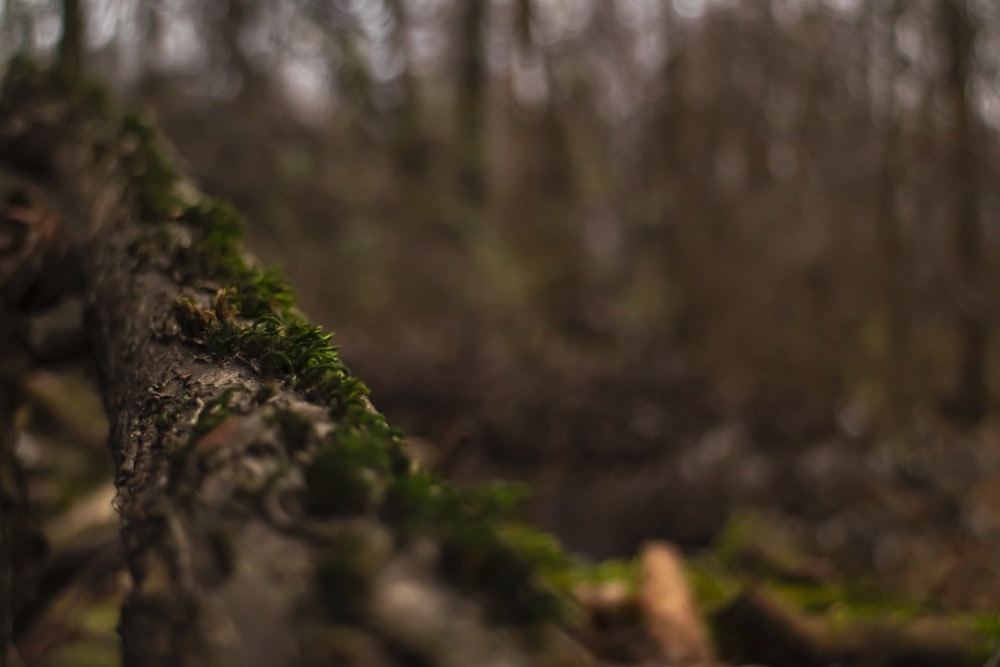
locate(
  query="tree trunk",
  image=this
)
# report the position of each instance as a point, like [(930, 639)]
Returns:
[(470, 102), (269, 515), (886, 66), (971, 399), (71, 41)]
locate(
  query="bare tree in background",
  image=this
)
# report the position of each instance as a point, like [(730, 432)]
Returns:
[(406, 127), (238, 17), (971, 392), (71, 44), (470, 100), (886, 125)]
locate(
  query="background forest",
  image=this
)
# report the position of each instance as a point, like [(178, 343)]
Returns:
[(669, 262)]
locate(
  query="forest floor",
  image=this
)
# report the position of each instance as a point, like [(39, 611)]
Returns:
[(774, 490), (824, 542)]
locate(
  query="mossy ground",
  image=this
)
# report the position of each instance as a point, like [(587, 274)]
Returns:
[(846, 607)]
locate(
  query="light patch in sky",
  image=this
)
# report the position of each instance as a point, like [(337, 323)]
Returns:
[(689, 9), (102, 21), (558, 19), (989, 106), (645, 19), (307, 83), (529, 82), (181, 44), (787, 12), (47, 28), (846, 6), (425, 42)]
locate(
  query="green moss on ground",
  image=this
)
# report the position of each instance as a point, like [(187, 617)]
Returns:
[(861, 611)]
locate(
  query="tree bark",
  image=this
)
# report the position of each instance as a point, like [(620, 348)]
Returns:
[(269, 515)]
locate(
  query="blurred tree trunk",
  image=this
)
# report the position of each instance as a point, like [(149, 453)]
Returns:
[(885, 65), (971, 393), (409, 143), (71, 42), (470, 102), (541, 222), (240, 16), (152, 25), (668, 189)]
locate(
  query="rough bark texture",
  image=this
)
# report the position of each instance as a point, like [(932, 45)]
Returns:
[(216, 575), (269, 516)]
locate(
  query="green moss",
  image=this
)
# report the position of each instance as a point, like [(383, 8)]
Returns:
[(344, 477), (845, 608), (510, 589), (278, 340), (411, 503), (512, 570), (760, 547), (987, 625), (266, 392), (94, 641), (192, 319), (625, 571), (420, 501), (294, 426), (153, 179), (362, 466), (217, 251), (546, 556), (264, 292), (96, 100), (713, 585), (343, 579), (758, 540)]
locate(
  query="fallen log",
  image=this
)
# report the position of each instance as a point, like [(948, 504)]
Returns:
[(269, 515)]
